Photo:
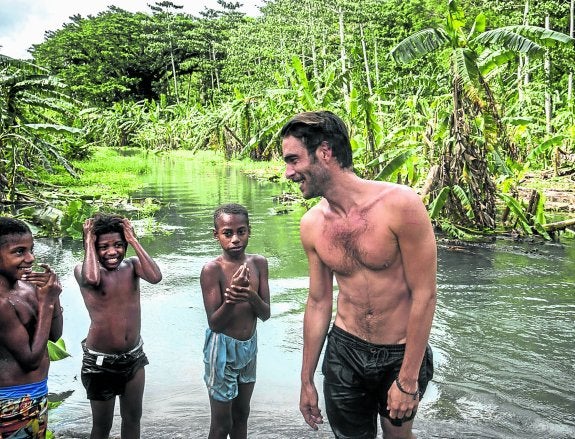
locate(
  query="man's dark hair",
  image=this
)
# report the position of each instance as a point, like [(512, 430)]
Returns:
[(314, 127), (108, 223), (12, 226), (230, 209)]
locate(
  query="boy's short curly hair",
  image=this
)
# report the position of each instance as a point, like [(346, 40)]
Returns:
[(230, 209), (12, 226), (108, 223)]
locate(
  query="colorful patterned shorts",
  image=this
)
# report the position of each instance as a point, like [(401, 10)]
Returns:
[(23, 417)]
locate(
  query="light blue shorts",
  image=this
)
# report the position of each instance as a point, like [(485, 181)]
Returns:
[(228, 362)]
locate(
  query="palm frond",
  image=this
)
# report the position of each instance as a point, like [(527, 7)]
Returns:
[(507, 38), (465, 71), (547, 36), (419, 44)]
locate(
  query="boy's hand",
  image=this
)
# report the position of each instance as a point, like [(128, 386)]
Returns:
[(88, 228), (38, 278), (239, 290), (129, 233), (51, 288), (241, 277)]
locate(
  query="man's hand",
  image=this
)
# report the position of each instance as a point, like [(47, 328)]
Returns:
[(308, 406), (401, 404)]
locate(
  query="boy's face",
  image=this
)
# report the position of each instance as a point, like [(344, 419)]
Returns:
[(233, 233), (111, 249), (16, 255)]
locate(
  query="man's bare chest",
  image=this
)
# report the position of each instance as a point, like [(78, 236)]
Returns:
[(353, 244)]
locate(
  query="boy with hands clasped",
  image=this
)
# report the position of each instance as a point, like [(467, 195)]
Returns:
[(30, 315), (236, 293)]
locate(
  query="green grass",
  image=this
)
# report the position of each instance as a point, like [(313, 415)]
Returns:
[(108, 173)]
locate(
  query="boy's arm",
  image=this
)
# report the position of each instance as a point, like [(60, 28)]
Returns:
[(57, 326), (29, 353), (145, 267), (260, 300), (218, 311), (90, 273), (39, 279)]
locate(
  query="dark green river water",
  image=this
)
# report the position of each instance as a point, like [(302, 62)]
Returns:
[(502, 335)]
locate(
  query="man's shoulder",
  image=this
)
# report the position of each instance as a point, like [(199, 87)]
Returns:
[(315, 212), (395, 194)]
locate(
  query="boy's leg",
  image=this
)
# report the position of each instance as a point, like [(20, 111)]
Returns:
[(102, 418), (131, 405), (241, 411), (221, 419)]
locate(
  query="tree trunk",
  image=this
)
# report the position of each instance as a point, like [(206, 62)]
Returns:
[(343, 56), (572, 35), (365, 60), (548, 101)]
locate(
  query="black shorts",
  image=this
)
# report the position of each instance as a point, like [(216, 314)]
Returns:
[(105, 375), (357, 377)]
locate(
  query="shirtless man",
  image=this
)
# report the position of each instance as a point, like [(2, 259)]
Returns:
[(377, 239), (30, 315), (114, 360)]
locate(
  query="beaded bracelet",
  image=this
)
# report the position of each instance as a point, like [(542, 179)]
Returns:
[(414, 394)]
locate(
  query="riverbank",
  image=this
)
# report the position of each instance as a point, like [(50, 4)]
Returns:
[(109, 178), (503, 324)]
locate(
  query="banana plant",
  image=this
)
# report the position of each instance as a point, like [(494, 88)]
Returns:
[(32, 102), (476, 128)]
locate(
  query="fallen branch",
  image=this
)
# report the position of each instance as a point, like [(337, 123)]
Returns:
[(560, 225)]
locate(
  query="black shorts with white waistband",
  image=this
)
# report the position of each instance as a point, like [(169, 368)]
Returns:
[(105, 375)]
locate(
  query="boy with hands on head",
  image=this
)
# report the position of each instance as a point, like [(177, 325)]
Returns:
[(114, 359)]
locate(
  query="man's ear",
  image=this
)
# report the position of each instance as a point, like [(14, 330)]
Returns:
[(324, 150), (215, 232)]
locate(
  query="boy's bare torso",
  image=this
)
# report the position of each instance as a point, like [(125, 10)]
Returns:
[(21, 306), (114, 309), (242, 324)]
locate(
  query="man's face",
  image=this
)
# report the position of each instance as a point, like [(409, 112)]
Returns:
[(16, 256), (232, 233), (111, 249), (309, 172)]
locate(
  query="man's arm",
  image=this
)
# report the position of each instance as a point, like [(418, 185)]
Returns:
[(317, 318), (145, 267), (419, 255)]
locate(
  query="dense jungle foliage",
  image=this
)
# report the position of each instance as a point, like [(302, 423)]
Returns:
[(460, 100)]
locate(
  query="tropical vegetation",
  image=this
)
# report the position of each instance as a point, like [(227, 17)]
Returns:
[(459, 99)]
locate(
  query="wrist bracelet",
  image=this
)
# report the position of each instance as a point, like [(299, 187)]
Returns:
[(414, 394)]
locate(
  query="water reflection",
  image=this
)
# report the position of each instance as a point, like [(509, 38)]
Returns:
[(502, 334)]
